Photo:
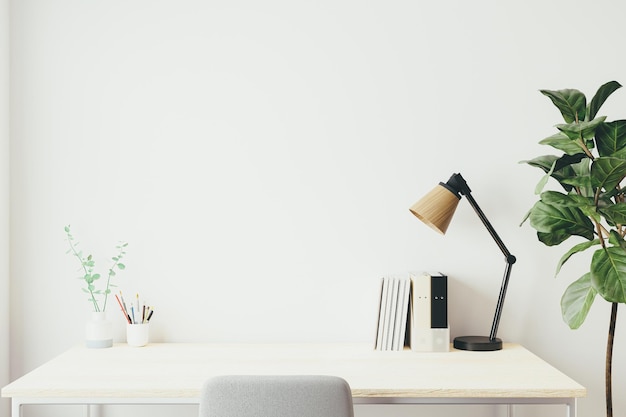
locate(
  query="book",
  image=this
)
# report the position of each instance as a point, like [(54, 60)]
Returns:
[(438, 301), (393, 311), (420, 312), (402, 313), (382, 309)]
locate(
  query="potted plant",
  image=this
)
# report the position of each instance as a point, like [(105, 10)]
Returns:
[(590, 203), (98, 332)]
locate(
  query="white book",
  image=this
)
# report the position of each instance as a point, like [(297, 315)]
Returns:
[(382, 310), (420, 317), (391, 312), (404, 296)]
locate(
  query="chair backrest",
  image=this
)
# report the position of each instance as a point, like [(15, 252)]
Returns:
[(276, 396)]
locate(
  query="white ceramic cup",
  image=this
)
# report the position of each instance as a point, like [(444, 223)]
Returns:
[(137, 335)]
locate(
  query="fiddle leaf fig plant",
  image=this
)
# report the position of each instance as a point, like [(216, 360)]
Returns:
[(590, 203)]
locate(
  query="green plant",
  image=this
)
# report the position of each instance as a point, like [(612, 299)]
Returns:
[(90, 277), (590, 204)]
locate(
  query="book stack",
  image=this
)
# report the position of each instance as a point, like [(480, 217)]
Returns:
[(413, 310), (393, 313)]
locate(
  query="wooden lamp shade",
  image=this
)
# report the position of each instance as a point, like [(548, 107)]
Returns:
[(437, 208)]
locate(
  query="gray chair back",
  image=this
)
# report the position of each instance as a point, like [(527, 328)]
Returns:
[(276, 396)]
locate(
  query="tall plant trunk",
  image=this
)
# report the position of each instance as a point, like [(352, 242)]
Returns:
[(609, 361)]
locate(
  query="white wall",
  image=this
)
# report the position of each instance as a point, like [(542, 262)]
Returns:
[(4, 200), (260, 158)]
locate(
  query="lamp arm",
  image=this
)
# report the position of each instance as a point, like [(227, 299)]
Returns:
[(508, 257)]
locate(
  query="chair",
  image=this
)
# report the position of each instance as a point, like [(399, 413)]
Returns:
[(276, 396)]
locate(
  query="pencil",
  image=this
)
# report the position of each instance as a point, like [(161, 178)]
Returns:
[(122, 308)]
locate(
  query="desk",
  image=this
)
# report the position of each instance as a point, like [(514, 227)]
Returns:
[(172, 373)]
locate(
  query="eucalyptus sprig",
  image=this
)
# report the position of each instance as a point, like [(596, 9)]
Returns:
[(90, 277)]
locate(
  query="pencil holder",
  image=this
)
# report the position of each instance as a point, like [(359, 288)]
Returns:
[(137, 335)]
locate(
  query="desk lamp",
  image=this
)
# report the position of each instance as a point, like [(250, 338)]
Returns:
[(436, 210)]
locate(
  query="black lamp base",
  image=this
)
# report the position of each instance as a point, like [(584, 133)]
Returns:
[(477, 343)]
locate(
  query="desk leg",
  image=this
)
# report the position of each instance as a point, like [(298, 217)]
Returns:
[(94, 410), (571, 408), (16, 408)]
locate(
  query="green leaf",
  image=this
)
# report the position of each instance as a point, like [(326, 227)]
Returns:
[(608, 273), (577, 300), (544, 180), (576, 249), (548, 218), (95, 276), (556, 198), (121, 266), (585, 130), (611, 138), (563, 143), (615, 214), (607, 172), (571, 103), (559, 168), (600, 97), (616, 240), (554, 238), (526, 216), (585, 204)]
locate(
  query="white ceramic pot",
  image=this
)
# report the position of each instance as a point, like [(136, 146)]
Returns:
[(98, 331)]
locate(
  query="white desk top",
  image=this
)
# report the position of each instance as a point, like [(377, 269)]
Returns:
[(177, 370)]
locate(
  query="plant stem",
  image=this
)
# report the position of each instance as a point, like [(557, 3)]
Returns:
[(111, 273), (82, 262), (609, 361)]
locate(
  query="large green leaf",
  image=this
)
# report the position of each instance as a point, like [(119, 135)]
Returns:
[(547, 218), (615, 214), (585, 204), (554, 238), (563, 143), (560, 168), (608, 273), (556, 198), (611, 138), (571, 103), (607, 172), (600, 97), (577, 300), (585, 130), (576, 249)]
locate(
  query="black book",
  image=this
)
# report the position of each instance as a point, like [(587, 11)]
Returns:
[(438, 301)]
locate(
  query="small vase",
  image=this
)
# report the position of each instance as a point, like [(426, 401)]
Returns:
[(98, 331)]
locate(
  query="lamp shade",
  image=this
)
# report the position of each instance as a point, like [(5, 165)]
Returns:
[(437, 208)]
